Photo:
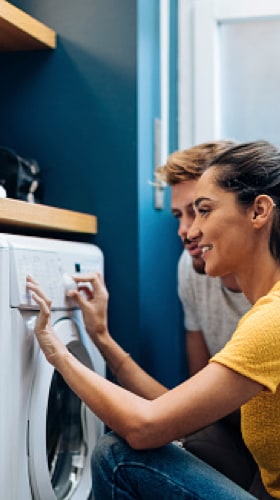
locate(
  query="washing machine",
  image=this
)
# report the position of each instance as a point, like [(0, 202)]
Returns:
[(47, 432)]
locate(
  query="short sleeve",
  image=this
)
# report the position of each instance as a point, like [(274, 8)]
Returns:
[(254, 349)]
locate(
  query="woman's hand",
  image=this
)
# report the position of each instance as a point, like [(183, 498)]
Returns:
[(50, 344), (93, 302)]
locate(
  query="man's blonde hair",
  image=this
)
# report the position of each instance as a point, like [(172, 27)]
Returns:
[(190, 163)]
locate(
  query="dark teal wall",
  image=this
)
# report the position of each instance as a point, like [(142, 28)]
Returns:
[(161, 336), (85, 111)]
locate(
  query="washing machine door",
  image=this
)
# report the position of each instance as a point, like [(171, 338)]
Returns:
[(62, 430)]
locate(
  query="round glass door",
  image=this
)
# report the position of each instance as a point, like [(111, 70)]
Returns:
[(65, 431), (62, 430)]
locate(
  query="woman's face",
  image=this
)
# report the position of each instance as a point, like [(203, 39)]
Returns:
[(222, 228)]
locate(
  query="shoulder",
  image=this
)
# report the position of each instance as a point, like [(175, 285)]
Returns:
[(256, 339), (264, 314)]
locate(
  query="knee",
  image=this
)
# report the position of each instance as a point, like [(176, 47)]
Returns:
[(106, 453), (102, 450), (103, 463), (110, 451)]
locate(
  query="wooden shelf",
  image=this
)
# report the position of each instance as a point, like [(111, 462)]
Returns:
[(20, 31), (36, 216)]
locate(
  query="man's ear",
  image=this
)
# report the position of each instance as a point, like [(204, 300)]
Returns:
[(262, 210)]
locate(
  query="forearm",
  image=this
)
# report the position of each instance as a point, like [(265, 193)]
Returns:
[(208, 396), (118, 408), (129, 374)]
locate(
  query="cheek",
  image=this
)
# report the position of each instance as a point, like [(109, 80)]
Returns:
[(232, 242)]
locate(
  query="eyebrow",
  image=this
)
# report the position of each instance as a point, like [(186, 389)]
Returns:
[(199, 200)]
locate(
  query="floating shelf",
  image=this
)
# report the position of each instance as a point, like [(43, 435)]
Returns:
[(20, 31), (37, 216)]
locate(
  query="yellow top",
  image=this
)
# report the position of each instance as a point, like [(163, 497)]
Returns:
[(254, 351)]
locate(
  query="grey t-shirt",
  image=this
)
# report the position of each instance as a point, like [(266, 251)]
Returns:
[(208, 305)]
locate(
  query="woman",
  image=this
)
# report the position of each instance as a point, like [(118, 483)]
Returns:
[(237, 225)]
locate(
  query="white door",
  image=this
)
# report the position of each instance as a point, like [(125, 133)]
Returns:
[(62, 430), (229, 83)]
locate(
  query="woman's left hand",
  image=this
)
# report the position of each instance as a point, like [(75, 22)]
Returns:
[(51, 345)]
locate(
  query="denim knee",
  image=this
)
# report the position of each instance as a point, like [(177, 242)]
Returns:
[(103, 464), (119, 472)]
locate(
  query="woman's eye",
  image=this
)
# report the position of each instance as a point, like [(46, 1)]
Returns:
[(203, 211)]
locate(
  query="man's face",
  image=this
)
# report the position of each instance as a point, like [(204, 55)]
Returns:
[(182, 208)]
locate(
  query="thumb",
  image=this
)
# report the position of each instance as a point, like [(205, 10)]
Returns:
[(77, 296)]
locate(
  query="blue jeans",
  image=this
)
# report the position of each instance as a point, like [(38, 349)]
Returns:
[(170, 472)]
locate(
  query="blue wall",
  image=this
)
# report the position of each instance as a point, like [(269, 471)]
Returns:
[(85, 111), (161, 337)]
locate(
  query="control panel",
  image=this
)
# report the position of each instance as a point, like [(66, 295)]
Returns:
[(53, 269)]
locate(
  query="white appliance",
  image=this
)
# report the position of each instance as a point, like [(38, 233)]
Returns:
[(47, 433)]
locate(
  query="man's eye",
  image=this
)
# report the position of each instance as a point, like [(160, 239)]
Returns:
[(191, 213), (177, 215)]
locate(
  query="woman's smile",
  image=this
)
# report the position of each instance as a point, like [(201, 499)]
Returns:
[(205, 249)]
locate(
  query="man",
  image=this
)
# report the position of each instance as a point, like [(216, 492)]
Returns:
[(212, 308)]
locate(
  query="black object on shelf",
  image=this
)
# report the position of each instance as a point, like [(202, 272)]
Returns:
[(19, 177)]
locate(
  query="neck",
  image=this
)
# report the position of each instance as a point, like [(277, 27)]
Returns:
[(257, 278), (255, 287), (229, 281)]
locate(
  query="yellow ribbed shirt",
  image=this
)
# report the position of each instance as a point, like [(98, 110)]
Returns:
[(254, 351)]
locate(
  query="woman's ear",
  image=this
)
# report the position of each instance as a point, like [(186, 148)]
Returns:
[(262, 210)]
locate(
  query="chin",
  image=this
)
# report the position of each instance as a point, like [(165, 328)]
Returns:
[(213, 271), (198, 265)]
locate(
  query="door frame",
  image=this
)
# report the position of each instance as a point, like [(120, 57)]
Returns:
[(198, 61)]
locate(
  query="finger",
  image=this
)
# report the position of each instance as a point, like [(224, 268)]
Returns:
[(44, 307), (35, 288), (86, 292), (78, 297), (89, 277), (30, 279)]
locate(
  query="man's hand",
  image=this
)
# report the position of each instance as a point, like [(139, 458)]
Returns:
[(92, 298)]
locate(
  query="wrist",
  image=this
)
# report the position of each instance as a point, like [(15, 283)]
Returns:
[(116, 370), (102, 337), (97, 331), (60, 360), (112, 352)]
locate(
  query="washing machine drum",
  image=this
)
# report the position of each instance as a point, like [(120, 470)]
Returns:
[(66, 431), (62, 430)]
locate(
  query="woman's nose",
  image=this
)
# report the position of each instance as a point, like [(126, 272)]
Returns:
[(194, 232)]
